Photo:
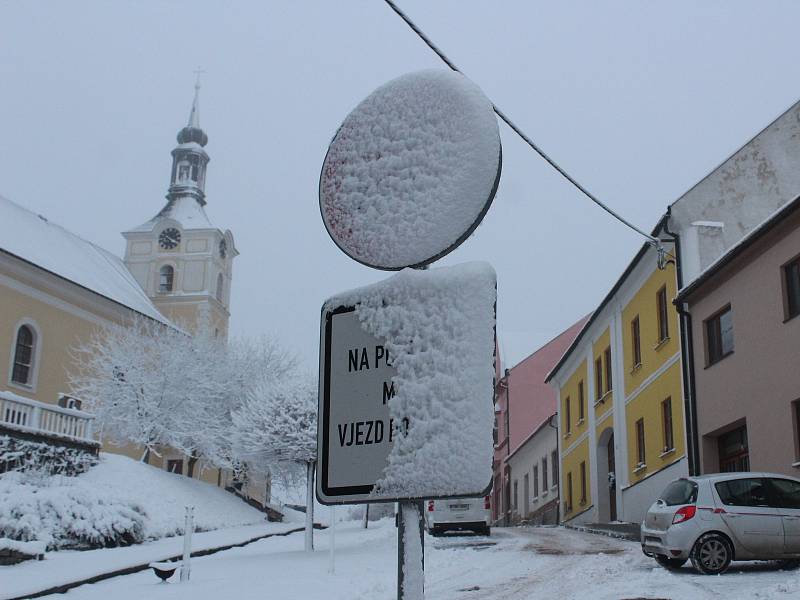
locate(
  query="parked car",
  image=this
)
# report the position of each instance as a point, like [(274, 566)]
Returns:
[(714, 519), (459, 514)]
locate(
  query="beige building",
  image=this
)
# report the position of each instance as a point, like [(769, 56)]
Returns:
[(745, 332), (57, 288)]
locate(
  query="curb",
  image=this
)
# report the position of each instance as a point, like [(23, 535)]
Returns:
[(64, 588), (605, 532)]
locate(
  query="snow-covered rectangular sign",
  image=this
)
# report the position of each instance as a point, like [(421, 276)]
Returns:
[(406, 387)]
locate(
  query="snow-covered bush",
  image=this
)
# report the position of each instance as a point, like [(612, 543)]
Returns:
[(55, 511), (26, 455)]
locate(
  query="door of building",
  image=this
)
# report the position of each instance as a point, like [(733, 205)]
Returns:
[(526, 496), (734, 453), (612, 481)]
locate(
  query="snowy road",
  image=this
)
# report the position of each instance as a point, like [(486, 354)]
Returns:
[(512, 564)]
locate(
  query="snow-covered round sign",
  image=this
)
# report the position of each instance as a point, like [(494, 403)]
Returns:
[(411, 171)]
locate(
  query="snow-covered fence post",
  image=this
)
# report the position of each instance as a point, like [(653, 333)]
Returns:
[(188, 529), (309, 506), (410, 551)]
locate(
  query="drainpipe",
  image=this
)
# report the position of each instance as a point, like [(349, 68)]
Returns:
[(558, 456), (687, 364), (507, 469)]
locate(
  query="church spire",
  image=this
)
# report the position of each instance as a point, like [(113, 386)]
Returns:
[(194, 115), (189, 158), (192, 132)]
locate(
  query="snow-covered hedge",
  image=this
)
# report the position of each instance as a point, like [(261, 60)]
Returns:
[(23, 455), (119, 501), (60, 514)]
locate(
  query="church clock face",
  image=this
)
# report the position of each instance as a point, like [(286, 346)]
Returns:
[(169, 238), (223, 249)]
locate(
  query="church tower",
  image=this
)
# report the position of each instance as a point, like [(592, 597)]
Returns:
[(180, 259)]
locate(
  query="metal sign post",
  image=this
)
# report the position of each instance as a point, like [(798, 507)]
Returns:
[(410, 551), (370, 191)]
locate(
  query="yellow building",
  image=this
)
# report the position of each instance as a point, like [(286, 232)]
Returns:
[(621, 418), (57, 288)]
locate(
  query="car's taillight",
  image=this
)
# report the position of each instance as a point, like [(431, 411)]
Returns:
[(684, 514), (486, 503), (430, 505)]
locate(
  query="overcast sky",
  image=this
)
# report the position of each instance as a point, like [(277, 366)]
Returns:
[(638, 100)]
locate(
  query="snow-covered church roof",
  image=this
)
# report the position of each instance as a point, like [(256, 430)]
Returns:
[(35, 239), (183, 209)]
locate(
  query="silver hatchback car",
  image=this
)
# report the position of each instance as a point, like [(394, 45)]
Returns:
[(714, 519)]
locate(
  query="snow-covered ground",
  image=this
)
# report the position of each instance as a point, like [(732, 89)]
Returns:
[(519, 563), (67, 566)]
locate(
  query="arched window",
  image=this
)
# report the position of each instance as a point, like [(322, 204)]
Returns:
[(220, 284), (166, 278), (23, 356)]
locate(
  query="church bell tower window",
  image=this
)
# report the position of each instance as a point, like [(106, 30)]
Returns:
[(166, 279)]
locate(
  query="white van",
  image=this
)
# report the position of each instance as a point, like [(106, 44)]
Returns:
[(458, 514)]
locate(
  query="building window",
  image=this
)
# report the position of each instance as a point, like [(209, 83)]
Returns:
[(580, 401), (791, 278), (544, 474), (567, 411), (568, 503), (636, 342), (515, 495), (175, 466), (598, 378), (719, 335), (166, 278), (526, 490), (554, 462), (22, 372), (640, 449), (535, 481), (663, 322), (220, 284), (609, 385), (796, 415), (666, 421), (734, 452), (583, 483)]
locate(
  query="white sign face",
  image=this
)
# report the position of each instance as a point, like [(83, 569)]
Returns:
[(356, 431)]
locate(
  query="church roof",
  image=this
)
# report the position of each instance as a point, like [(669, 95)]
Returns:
[(183, 209), (36, 240)]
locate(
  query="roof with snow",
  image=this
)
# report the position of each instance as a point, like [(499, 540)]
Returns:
[(34, 239), (185, 210)]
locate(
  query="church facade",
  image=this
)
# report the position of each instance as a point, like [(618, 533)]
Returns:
[(56, 289)]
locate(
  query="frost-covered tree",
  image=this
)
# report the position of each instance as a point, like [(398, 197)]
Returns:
[(154, 386), (132, 379), (275, 429)]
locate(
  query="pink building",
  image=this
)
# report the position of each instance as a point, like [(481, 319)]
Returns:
[(523, 402)]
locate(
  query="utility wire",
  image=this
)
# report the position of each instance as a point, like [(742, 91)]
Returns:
[(655, 242)]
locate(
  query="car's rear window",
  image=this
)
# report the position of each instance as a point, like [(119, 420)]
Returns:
[(681, 491)]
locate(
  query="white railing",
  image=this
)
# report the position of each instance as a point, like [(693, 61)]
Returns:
[(33, 416)]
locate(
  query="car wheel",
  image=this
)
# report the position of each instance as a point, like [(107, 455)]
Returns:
[(670, 563), (712, 554), (435, 531), (789, 564)]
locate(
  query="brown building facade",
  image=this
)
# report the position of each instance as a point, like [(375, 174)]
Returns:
[(745, 329)]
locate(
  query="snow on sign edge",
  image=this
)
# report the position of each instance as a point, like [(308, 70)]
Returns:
[(439, 328), (411, 171)]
